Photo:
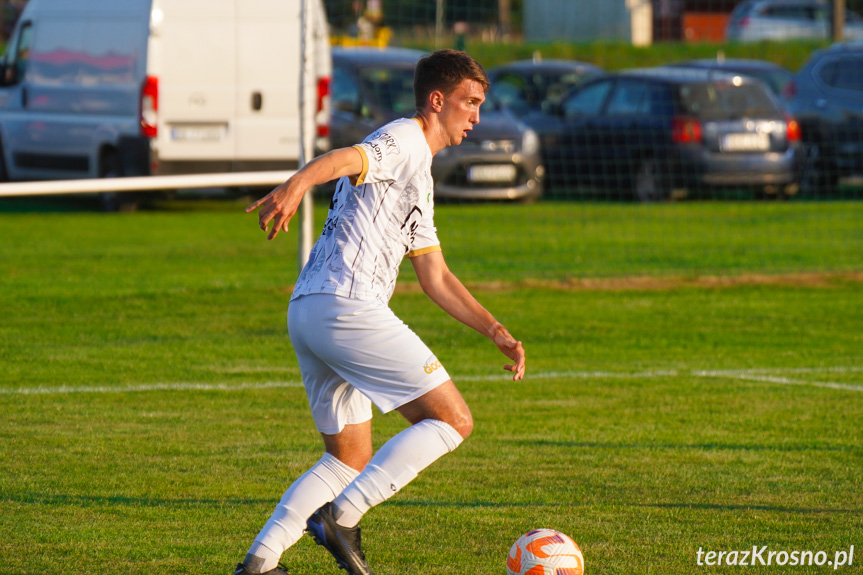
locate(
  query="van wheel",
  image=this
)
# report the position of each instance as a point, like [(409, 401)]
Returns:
[(648, 182), (114, 201), (4, 175)]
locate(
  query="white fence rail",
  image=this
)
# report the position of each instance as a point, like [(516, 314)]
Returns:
[(135, 184)]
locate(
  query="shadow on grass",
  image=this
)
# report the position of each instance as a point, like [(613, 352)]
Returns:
[(101, 500), (689, 446), (117, 500), (732, 507)]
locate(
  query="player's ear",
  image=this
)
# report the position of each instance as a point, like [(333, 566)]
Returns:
[(436, 100)]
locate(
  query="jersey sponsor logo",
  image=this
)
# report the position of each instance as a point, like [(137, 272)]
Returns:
[(383, 143), (432, 365)]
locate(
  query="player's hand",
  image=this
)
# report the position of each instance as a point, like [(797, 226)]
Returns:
[(511, 348), (279, 206)]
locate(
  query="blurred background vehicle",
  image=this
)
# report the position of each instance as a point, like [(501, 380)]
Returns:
[(773, 75), (826, 97), (499, 160), (657, 133), (754, 20), (102, 89), (536, 86)]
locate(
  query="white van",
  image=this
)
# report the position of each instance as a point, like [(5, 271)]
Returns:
[(96, 88)]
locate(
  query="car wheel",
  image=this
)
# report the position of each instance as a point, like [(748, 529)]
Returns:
[(113, 201), (819, 171), (648, 182)]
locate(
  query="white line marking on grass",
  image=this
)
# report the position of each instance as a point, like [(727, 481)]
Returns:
[(66, 389), (574, 375), (753, 375)]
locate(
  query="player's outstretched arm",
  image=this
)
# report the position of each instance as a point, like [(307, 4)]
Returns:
[(280, 205), (446, 290)]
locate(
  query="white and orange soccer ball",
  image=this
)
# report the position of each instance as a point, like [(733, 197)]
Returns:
[(545, 552)]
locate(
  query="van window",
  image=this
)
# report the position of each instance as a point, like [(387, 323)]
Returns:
[(98, 54), (18, 59)]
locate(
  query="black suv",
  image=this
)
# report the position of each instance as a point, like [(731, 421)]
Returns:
[(826, 97)]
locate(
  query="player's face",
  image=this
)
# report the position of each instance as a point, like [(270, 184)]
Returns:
[(460, 111)]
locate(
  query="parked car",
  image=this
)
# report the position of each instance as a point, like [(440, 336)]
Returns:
[(826, 97), (535, 86), (754, 20), (499, 160), (773, 75), (647, 133)]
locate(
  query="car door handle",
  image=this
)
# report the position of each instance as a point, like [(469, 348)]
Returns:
[(821, 103), (257, 101)]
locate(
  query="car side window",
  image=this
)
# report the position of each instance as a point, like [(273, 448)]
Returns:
[(843, 74), (588, 101), (626, 98), (657, 102), (789, 12)]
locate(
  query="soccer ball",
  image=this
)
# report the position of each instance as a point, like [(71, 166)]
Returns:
[(545, 552)]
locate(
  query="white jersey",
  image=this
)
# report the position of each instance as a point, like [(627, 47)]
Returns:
[(387, 213)]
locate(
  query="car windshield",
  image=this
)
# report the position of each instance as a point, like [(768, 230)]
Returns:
[(776, 80), (391, 88), (534, 90), (724, 101)]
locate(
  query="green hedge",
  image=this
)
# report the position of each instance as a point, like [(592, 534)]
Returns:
[(619, 55)]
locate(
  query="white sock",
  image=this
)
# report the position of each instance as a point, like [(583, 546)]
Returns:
[(395, 465), (320, 484)]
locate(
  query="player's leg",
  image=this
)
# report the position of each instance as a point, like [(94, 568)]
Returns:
[(346, 454), (343, 417), (440, 421)]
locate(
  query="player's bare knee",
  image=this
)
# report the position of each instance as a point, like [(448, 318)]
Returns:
[(463, 424)]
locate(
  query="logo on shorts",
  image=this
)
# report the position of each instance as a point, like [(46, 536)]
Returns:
[(432, 364)]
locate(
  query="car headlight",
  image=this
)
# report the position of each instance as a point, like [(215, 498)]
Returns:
[(507, 146), (529, 143)]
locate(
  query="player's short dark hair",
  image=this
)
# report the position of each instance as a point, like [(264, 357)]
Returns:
[(444, 70)]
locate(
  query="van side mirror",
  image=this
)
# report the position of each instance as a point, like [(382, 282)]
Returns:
[(8, 74)]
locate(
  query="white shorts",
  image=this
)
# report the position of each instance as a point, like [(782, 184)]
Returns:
[(354, 353)]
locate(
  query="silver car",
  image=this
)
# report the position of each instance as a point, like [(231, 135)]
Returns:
[(499, 160), (754, 20)]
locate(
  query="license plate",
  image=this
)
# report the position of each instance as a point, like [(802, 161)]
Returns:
[(205, 133), (503, 173), (751, 142)]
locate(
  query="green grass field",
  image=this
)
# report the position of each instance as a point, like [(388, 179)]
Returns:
[(695, 382)]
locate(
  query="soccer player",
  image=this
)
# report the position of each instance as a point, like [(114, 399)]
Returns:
[(351, 348)]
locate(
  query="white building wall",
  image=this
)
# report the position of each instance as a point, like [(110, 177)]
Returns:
[(586, 20)]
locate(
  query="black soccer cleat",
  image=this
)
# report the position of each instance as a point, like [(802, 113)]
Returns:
[(343, 543), (241, 570)]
